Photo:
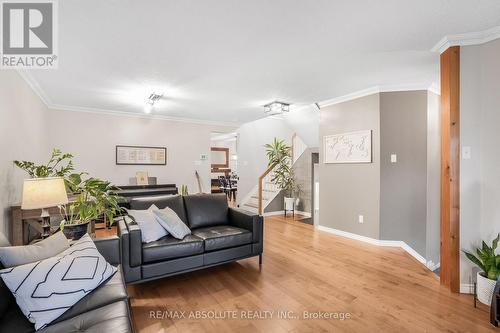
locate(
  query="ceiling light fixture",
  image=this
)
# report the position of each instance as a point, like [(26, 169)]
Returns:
[(150, 102), (276, 107)]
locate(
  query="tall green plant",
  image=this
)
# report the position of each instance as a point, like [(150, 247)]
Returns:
[(283, 176), (278, 152), (486, 259), (59, 165)]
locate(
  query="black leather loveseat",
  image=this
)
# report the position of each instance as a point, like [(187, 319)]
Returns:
[(219, 235), (105, 309)]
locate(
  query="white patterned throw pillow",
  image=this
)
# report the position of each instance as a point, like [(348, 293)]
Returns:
[(45, 289)]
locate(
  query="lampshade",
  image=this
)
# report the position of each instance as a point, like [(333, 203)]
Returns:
[(44, 193)]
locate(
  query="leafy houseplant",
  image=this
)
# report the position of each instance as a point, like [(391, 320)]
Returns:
[(93, 198), (489, 263), (59, 165), (279, 154)]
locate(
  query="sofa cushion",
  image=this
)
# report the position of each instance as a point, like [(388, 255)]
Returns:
[(109, 292), (175, 202), (204, 210), (223, 236), (113, 317), (19, 255), (169, 248), (15, 321)]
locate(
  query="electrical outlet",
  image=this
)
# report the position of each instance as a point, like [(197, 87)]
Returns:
[(361, 219), (394, 158)]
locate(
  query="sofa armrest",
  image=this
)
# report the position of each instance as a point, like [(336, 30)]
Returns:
[(247, 220), (129, 232), (109, 248)]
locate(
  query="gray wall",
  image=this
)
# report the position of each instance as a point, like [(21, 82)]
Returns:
[(433, 229), (23, 132), (403, 185), (479, 176), (349, 190)]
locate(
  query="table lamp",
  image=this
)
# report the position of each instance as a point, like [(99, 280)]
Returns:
[(43, 193)]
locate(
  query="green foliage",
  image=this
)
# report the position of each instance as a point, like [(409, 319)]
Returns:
[(283, 176), (59, 165), (184, 190), (278, 152), (486, 259), (94, 197)]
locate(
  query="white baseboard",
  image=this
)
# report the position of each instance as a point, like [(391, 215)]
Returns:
[(282, 212), (466, 288), (429, 264)]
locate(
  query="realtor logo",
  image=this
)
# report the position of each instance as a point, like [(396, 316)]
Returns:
[(29, 34)]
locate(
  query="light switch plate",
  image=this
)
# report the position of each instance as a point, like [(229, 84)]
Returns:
[(361, 219), (394, 158), (466, 153)]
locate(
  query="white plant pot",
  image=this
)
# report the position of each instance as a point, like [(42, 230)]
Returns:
[(289, 203), (485, 288)]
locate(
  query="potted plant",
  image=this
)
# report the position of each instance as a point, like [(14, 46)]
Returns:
[(279, 154), (489, 263), (91, 198), (95, 198)]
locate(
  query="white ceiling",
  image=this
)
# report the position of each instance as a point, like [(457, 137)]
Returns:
[(221, 60)]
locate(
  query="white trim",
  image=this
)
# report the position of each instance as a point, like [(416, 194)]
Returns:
[(468, 38), (282, 212), (432, 266), (379, 89), (376, 242), (277, 212), (140, 115), (47, 101), (34, 86), (466, 288)]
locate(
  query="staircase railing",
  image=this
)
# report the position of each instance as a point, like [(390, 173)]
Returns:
[(260, 189)]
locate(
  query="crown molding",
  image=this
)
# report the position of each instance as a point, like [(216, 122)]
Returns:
[(34, 86), (379, 89), (468, 38), (28, 78), (58, 107)]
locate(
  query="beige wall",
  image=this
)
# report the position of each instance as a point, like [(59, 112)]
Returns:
[(23, 132), (349, 190), (92, 139), (479, 175)]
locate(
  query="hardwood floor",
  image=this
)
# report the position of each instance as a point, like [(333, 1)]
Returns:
[(382, 289)]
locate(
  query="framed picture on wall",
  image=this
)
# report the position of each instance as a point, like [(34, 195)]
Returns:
[(141, 155), (352, 147)]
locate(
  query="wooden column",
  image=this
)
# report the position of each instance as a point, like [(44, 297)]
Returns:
[(450, 168)]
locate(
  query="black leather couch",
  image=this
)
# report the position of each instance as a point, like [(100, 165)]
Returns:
[(219, 235), (106, 309)]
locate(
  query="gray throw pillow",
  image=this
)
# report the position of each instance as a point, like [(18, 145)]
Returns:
[(151, 229), (172, 222), (20, 255)]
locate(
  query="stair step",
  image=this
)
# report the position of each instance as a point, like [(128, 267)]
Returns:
[(257, 197), (251, 205)]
